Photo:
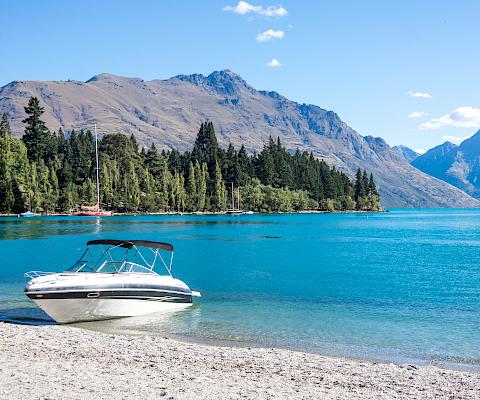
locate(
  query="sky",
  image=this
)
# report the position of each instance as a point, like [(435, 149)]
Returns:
[(405, 70)]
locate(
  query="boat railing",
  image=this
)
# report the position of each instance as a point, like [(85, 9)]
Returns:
[(36, 274)]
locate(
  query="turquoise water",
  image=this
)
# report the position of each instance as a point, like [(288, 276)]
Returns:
[(398, 286)]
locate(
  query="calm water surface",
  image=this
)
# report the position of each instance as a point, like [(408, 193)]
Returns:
[(402, 286)]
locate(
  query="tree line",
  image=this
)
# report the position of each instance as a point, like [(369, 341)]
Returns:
[(51, 172)]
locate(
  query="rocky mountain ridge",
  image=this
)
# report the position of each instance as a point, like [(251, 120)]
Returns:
[(458, 165), (169, 112)]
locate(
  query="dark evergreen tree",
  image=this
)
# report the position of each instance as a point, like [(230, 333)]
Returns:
[(37, 136)]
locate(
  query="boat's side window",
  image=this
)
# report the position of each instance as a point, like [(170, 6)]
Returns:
[(110, 267), (139, 269)]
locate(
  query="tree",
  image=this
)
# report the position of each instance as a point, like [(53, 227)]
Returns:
[(219, 195), (265, 167), (201, 177), (205, 148), (33, 194), (373, 195), (131, 188), (7, 197), (37, 135), (191, 188), (61, 174), (361, 189)]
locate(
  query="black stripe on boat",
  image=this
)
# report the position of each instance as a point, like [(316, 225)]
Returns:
[(123, 286), (150, 295)]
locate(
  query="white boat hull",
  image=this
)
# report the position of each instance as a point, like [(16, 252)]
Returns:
[(66, 311)]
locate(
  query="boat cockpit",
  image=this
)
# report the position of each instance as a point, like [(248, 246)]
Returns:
[(107, 256)]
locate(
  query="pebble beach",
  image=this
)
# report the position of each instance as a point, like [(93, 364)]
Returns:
[(64, 362)]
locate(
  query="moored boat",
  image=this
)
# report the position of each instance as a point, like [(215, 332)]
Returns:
[(95, 210), (112, 279), (28, 214)]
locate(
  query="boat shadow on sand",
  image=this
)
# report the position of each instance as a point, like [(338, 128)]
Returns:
[(25, 316)]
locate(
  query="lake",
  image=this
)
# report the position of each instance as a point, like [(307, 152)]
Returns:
[(402, 286)]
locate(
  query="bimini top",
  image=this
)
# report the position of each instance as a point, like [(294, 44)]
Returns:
[(128, 244)]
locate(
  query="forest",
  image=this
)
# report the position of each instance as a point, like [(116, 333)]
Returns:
[(54, 172)]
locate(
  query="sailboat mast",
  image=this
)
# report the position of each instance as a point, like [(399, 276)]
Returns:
[(96, 169), (233, 198)]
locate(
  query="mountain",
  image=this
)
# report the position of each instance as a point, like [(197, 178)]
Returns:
[(458, 165), (169, 112), (406, 152)]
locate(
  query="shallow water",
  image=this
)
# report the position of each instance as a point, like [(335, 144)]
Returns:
[(400, 286)]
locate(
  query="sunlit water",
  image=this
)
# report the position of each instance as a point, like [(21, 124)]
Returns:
[(402, 286)]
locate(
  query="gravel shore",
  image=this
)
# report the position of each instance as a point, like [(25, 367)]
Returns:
[(62, 362)]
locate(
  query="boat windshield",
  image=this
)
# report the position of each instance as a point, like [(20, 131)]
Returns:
[(115, 259)]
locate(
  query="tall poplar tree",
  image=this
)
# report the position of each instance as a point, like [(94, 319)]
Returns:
[(219, 195), (191, 188), (7, 197)]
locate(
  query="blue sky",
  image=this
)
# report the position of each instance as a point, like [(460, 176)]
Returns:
[(407, 71)]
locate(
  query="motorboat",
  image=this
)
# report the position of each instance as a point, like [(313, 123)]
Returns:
[(28, 214), (112, 279)]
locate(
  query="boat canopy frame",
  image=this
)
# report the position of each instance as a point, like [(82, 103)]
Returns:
[(108, 245)]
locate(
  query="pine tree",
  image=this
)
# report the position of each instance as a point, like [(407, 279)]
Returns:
[(365, 183), (372, 188), (205, 148), (245, 166), (153, 161), (265, 167), (37, 135), (374, 198)]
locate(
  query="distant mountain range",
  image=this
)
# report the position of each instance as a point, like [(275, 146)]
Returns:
[(406, 152), (458, 165), (169, 112)]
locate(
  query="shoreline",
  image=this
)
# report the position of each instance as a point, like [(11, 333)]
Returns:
[(69, 362), (218, 342), (200, 214)]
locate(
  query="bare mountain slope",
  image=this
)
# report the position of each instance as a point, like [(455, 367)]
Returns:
[(458, 165), (169, 112)]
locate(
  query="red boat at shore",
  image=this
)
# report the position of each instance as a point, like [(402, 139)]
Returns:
[(94, 211)]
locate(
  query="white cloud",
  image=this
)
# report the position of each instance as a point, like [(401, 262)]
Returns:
[(269, 35), (417, 114), (420, 95), (420, 151), (456, 139), (461, 117), (244, 8), (274, 63)]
